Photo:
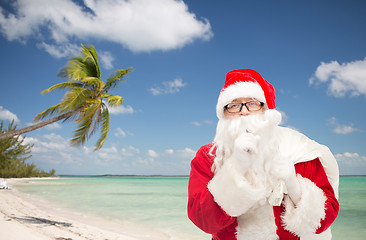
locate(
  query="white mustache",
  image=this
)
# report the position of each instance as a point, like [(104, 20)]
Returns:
[(256, 124), (260, 122)]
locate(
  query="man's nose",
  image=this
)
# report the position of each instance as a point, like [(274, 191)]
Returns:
[(244, 111)]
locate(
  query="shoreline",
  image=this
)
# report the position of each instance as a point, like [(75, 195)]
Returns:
[(23, 217)]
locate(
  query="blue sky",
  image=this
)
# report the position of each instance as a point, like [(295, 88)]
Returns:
[(313, 52)]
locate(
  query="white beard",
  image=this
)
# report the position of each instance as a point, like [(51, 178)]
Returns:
[(261, 125)]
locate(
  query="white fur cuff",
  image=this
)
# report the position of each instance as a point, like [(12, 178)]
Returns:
[(304, 218), (233, 192)]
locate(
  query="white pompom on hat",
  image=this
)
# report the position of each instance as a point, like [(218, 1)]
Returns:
[(245, 83)]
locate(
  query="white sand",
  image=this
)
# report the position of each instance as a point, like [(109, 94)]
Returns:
[(23, 219)]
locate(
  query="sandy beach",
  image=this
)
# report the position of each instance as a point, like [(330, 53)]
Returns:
[(24, 219)]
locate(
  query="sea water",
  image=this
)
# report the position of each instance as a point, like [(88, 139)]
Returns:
[(160, 203), (351, 221), (157, 203)]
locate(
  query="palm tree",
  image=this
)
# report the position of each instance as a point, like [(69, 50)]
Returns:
[(86, 102)]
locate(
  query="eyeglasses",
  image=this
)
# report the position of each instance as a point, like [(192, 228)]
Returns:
[(252, 106)]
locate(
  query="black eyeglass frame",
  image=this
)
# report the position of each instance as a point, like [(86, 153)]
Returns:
[(244, 104)]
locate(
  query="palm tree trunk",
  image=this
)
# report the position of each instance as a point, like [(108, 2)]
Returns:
[(36, 126)]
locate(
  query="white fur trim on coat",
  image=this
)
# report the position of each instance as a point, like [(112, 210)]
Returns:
[(233, 192), (257, 224), (238, 90), (304, 218), (326, 235)]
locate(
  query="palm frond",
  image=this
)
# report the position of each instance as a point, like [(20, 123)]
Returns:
[(92, 116), (88, 122), (89, 110), (85, 65), (113, 100), (105, 122), (91, 59), (61, 86), (114, 78), (48, 112), (74, 70), (81, 133), (97, 118), (93, 101), (91, 81), (74, 99)]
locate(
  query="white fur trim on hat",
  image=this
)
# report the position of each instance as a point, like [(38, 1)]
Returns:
[(238, 90)]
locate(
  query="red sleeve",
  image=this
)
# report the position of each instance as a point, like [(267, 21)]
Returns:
[(314, 171), (203, 211)]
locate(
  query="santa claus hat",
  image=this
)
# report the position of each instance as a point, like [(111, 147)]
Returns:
[(245, 83)]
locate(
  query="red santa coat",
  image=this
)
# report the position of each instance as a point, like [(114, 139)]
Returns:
[(222, 205)]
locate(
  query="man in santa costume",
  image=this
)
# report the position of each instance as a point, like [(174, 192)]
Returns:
[(258, 180)]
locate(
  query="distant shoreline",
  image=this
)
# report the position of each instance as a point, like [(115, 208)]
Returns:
[(352, 175), (125, 175), (122, 175), (136, 175)]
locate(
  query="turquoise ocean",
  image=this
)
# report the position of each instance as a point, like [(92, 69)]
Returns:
[(159, 203)]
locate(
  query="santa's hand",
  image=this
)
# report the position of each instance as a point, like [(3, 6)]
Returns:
[(293, 186), (245, 146), (284, 169)]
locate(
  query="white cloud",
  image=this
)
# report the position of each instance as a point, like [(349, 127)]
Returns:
[(60, 50), (68, 158), (107, 154), (138, 162), (121, 110), (139, 25), (186, 153), (342, 78), (341, 128), (197, 124), (168, 87), (206, 122), (348, 155), (53, 126), (169, 151), (120, 133), (106, 59), (49, 143), (109, 150), (54, 151), (152, 153), (351, 163), (7, 115), (130, 151), (53, 137)]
